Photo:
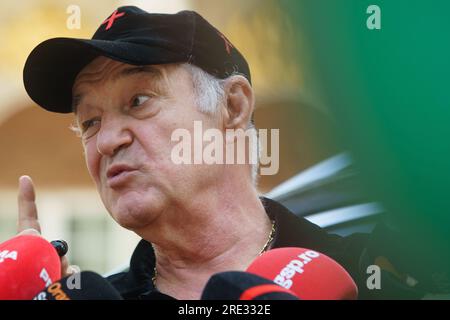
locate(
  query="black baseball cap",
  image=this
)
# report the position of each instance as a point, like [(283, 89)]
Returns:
[(133, 36)]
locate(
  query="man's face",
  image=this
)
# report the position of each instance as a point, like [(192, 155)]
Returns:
[(127, 115)]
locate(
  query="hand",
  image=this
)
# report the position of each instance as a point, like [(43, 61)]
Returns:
[(28, 223)]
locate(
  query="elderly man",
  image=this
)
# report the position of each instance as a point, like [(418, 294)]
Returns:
[(141, 77)]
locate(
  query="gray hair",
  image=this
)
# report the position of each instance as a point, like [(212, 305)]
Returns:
[(210, 95)]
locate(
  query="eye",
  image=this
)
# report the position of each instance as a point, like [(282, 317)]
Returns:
[(85, 125), (89, 127), (139, 100)]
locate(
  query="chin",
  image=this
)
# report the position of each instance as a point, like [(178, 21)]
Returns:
[(135, 211)]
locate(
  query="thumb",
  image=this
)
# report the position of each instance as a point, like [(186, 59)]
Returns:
[(28, 216), (30, 231)]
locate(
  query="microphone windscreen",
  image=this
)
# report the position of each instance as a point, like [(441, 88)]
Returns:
[(238, 285), (85, 285), (309, 274), (28, 263)]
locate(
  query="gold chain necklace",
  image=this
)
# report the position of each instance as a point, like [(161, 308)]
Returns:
[(264, 249), (269, 240)]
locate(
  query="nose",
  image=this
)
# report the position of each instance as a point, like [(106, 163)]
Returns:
[(113, 135)]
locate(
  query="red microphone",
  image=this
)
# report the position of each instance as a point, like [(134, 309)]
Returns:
[(28, 264), (309, 274)]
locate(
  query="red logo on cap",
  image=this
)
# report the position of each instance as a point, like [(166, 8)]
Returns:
[(228, 44), (111, 19)]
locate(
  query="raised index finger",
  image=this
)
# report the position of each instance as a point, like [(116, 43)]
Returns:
[(28, 216)]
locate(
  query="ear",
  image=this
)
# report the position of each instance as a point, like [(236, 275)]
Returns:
[(240, 103)]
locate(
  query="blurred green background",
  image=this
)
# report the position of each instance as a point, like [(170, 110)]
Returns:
[(388, 91)]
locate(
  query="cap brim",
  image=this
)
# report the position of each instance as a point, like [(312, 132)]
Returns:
[(51, 68)]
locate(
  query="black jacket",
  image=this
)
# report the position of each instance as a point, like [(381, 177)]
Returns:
[(352, 252)]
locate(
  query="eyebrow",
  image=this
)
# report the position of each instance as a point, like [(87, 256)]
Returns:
[(155, 73)]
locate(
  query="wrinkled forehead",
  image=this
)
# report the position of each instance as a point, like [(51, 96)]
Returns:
[(104, 69), (99, 65)]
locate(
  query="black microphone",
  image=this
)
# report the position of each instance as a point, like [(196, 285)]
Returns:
[(238, 285), (85, 285)]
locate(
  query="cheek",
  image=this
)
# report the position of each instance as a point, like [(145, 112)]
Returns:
[(92, 158), (152, 142)]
